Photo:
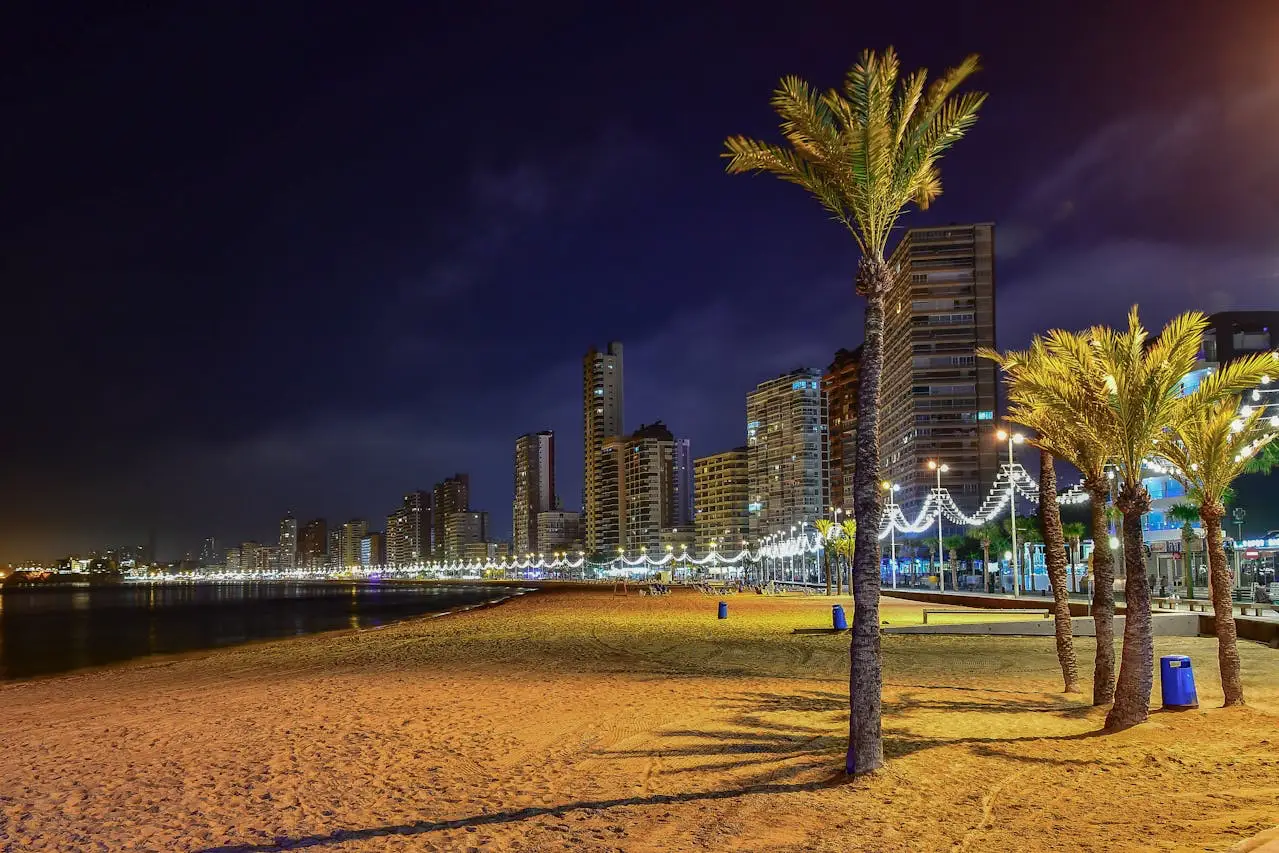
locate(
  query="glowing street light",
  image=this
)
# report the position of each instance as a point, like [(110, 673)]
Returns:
[(892, 489), (941, 556), (1012, 438)]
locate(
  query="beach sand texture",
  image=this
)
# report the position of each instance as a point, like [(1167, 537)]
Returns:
[(586, 721)]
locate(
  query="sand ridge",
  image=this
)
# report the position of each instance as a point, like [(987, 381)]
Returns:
[(588, 721)]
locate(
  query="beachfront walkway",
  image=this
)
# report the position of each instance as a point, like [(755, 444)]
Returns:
[(589, 722)]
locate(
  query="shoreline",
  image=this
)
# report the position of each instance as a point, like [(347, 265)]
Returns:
[(164, 659)]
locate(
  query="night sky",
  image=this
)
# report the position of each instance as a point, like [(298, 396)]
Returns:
[(273, 256)]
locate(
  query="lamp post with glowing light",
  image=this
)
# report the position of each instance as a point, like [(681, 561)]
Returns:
[(892, 489), (941, 556), (1013, 438)]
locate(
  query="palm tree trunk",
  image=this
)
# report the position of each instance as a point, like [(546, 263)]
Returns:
[(1137, 664), (1103, 595), (985, 566), (1187, 569), (1220, 580), (1074, 563), (826, 565), (1055, 559), (865, 680)]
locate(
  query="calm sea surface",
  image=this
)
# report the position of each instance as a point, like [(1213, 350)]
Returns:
[(47, 630)]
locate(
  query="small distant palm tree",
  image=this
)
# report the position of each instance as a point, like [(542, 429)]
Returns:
[(1075, 531), (849, 527), (1210, 446), (1265, 461), (1187, 514), (824, 527), (866, 153)]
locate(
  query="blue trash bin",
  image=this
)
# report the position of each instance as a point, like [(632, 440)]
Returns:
[(838, 619), (723, 610), (1177, 683)]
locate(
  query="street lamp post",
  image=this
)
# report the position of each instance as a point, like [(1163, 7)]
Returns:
[(892, 488), (1013, 438), (941, 555)]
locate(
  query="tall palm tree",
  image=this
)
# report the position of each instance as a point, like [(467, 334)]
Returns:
[(1210, 446), (1187, 514), (1055, 560), (824, 527), (1075, 532), (866, 153), (1055, 389), (1147, 397)]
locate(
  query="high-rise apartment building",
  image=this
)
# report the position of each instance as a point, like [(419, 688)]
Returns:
[(288, 544), (682, 483), (609, 496), (558, 530), (372, 551), (602, 407), (648, 479), (313, 544), (249, 556), (209, 552), (722, 489), (937, 399), (268, 559), (408, 531), (786, 446), (396, 539), (841, 383), (534, 487), (418, 509), (464, 529), (353, 533), (449, 496), (233, 561), (333, 558)]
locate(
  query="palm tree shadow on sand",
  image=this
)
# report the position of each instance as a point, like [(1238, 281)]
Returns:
[(767, 756)]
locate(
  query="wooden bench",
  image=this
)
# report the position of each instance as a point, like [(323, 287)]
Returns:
[(992, 610)]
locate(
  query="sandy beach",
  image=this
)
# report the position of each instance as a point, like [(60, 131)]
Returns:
[(587, 721)]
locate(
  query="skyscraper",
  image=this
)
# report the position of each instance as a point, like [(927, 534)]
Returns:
[(408, 531), (937, 399), (786, 445), (353, 533), (840, 383), (371, 549), (451, 495), (649, 486), (602, 418), (462, 529), (249, 556), (313, 544), (333, 558), (558, 530), (288, 554), (682, 483), (209, 552), (418, 508), (610, 498), (534, 487), (722, 488)]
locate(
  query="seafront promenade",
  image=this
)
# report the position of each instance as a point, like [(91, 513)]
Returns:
[(584, 720)]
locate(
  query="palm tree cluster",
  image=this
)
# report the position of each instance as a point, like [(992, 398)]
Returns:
[(1097, 399), (1103, 398)]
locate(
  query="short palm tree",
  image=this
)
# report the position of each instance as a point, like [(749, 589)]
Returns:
[(1056, 390), (1146, 383), (849, 527), (1187, 514), (1209, 446), (1074, 531), (824, 527), (866, 153)]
